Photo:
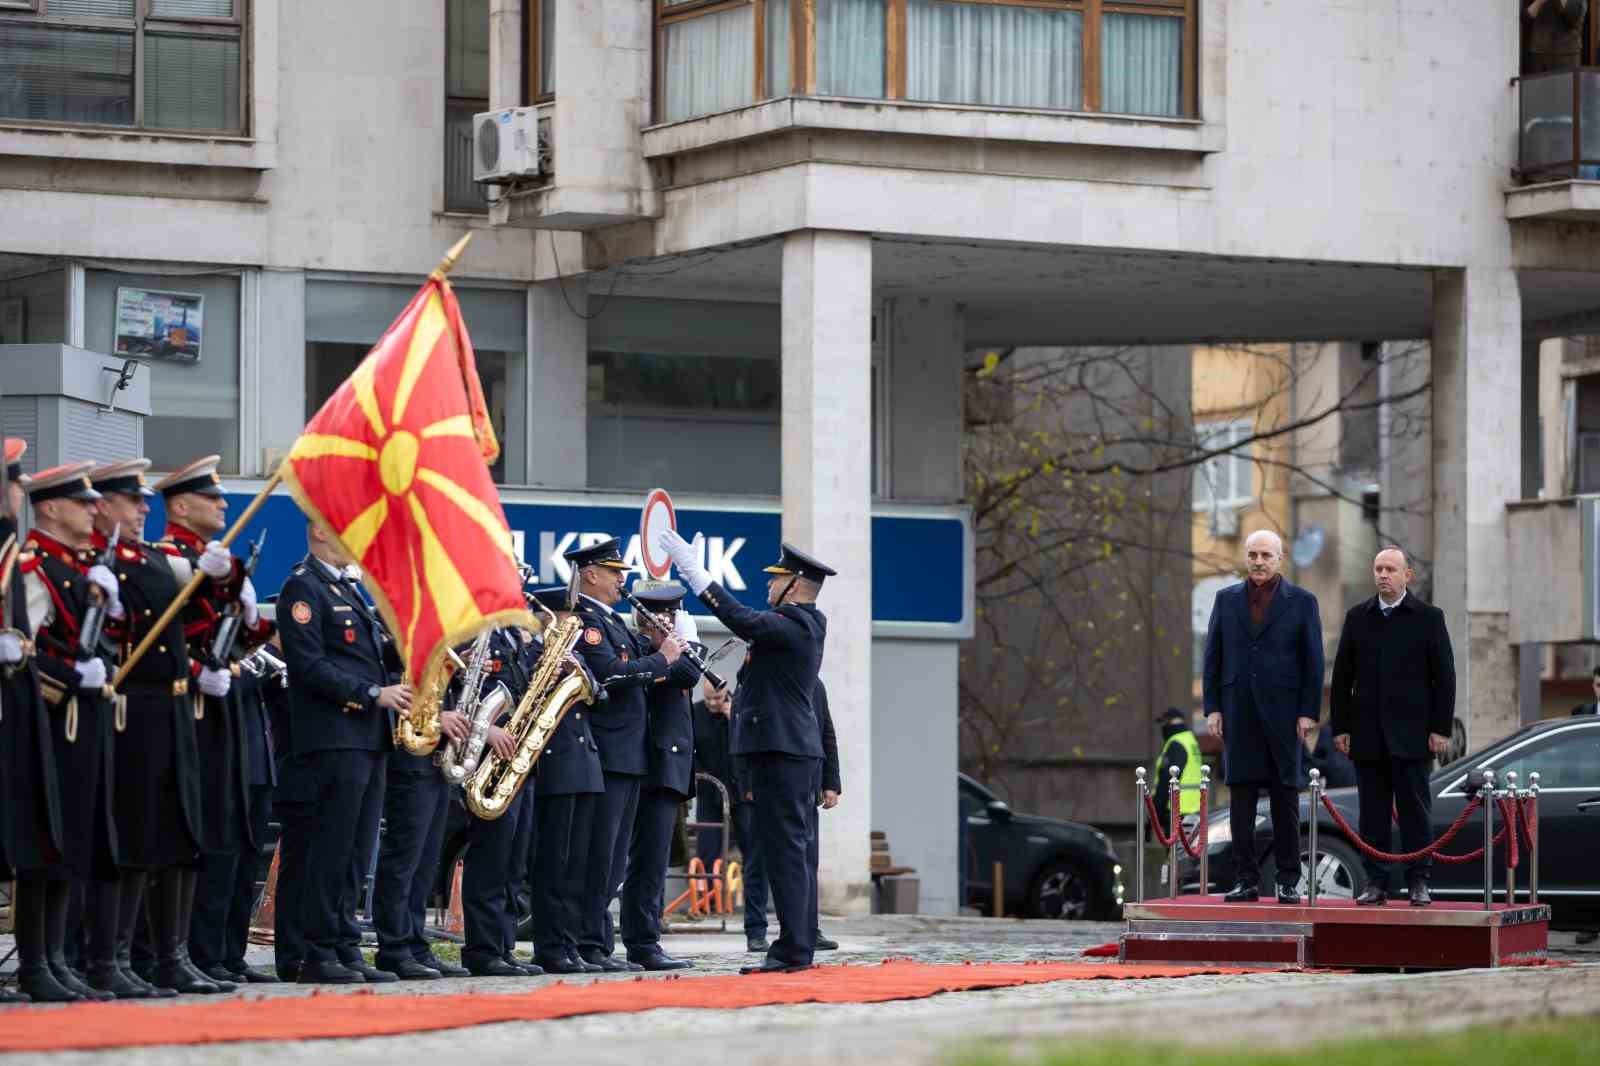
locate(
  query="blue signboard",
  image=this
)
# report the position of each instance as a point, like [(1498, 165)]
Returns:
[(921, 556)]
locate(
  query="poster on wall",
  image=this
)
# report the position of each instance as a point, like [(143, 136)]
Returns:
[(152, 324)]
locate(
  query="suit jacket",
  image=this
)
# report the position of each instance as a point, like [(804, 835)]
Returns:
[(830, 740), (671, 730), (1394, 680), (772, 708), (622, 661), (711, 756), (570, 763), (1262, 678), (1586, 708)]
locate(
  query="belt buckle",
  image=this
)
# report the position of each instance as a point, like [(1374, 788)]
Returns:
[(180, 687)]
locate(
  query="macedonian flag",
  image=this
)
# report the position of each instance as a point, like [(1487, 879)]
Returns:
[(395, 465)]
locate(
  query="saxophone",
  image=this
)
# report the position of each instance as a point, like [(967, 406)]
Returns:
[(456, 761), (559, 681), (417, 730)]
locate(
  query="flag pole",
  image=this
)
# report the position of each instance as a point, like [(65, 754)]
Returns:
[(448, 263)]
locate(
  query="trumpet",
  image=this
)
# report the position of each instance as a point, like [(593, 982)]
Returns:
[(654, 620)]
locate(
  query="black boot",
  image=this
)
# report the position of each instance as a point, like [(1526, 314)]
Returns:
[(191, 880), (131, 890), (34, 977), (14, 997), (1417, 889), (164, 909), (58, 894), (103, 905)]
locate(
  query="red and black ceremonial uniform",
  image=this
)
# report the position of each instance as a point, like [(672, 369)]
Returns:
[(30, 806), (58, 597)]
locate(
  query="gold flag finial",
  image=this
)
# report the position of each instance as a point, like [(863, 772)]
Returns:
[(450, 258)]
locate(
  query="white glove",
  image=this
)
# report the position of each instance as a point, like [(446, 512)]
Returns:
[(217, 561), (352, 572), (10, 648), (686, 557), (102, 577), (91, 673), (247, 598), (215, 682), (684, 626)]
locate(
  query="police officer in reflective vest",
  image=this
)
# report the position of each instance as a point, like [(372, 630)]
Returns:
[(1180, 749)]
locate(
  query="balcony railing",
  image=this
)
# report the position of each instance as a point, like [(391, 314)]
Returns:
[(1559, 126)]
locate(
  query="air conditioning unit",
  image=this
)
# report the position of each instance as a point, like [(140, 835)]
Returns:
[(508, 145)]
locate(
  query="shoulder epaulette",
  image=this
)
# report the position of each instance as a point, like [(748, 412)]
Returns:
[(28, 561)]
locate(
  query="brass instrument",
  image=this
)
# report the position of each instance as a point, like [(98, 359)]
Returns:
[(559, 681), (456, 761), (417, 730)]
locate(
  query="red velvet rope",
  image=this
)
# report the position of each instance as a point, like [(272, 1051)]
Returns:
[(1508, 815), (1411, 856), (1191, 844)]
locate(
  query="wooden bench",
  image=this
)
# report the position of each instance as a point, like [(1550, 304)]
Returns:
[(895, 887)]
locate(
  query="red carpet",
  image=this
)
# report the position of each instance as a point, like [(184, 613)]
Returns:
[(107, 1025)]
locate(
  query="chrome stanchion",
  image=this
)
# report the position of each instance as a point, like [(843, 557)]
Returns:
[(1311, 868), (1511, 832), (1205, 830), (1487, 791), (1140, 790), (1174, 796), (1533, 845)]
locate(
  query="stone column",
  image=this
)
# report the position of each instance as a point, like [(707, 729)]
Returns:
[(1477, 467), (505, 54), (558, 362), (827, 504)]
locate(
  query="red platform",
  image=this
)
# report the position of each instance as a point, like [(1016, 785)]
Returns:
[(1334, 933)]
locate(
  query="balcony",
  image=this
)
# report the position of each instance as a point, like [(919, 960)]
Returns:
[(1558, 147)]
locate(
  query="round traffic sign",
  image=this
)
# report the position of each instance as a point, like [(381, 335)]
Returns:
[(656, 517)]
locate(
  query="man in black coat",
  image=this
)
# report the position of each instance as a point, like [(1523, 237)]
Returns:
[(1594, 707), (1394, 696)]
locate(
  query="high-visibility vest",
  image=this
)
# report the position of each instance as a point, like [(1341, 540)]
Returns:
[(1189, 798)]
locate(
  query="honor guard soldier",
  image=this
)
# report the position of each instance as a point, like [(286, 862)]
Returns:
[(345, 681), (197, 512), (156, 766), (68, 589), (567, 790), (621, 661), (668, 782), (31, 833), (775, 730)]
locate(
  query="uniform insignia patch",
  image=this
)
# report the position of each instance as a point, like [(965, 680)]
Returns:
[(349, 636), (591, 635), (127, 554), (301, 612), (624, 656)]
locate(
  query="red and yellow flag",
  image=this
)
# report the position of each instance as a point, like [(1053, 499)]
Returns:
[(395, 466)]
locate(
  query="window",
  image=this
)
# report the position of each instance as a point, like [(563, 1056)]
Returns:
[(1571, 759), (1130, 58), (466, 93), (1224, 481), (173, 65), (539, 54)]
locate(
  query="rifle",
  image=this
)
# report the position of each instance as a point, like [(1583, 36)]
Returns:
[(233, 614), (94, 619)]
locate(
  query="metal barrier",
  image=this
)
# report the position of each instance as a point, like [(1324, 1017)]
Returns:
[(1197, 847)]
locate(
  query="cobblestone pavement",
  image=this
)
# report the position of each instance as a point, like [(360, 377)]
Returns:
[(1271, 1006)]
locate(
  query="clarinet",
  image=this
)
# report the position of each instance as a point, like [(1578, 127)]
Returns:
[(653, 619)]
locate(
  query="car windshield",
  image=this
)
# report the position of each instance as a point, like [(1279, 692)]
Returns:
[(1551, 754)]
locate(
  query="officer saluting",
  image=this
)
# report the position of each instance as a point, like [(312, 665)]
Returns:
[(775, 729)]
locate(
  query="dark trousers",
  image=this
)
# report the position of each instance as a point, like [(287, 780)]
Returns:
[(1388, 787), (226, 893), (488, 880), (648, 855), (565, 826), (347, 799), (607, 860), (1285, 804), (753, 874), (363, 864), (291, 802), (414, 809), (784, 795)]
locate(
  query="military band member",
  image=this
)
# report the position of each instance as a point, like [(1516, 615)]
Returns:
[(669, 781), (64, 582), (567, 790), (776, 731), (346, 687), (31, 832), (620, 660)]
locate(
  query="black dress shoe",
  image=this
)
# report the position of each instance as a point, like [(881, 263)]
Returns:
[(288, 973), (561, 965), (449, 969), (1242, 893), (411, 970), (69, 979), (529, 969), (185, 980), (328, 973), (756, 943), (40, 985), (495, 968), (824, 944), (221, 975), (1420, 896), (13, 997), (1288, 895), (606, 963), (253, 976), (773, 966), (588, 967), (659, 960), (1372, 896), (369, 973)]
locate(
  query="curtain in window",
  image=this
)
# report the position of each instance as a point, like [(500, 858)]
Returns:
[(1141, 58), (850, 48), (191, 83), (66, 75), (777, 46), (547, 46), (992, 54), (710, 64), (184, 9)]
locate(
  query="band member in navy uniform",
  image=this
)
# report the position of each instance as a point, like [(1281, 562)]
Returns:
[(621, 661), (344, 678), (263, 676), (669, 782), (31, 832), (64, 582), (567, 790), (197, 510), (776, 731)]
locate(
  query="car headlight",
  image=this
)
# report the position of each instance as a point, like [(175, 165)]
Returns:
[(1220, 831)]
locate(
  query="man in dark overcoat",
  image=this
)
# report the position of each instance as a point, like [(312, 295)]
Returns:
[(1394, 696), (1262, 687)]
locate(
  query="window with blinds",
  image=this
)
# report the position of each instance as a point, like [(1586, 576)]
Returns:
[(165, 65)]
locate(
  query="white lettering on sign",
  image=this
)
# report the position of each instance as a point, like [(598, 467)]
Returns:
[(716, 556), (719, 563)]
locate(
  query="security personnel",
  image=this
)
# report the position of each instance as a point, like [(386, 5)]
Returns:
[(1181, 749), (776, 731), (157, 768), (621, 661), (344, 677), (31, 832), (567, 790), (667, 784), (63, 581), (197, 512)]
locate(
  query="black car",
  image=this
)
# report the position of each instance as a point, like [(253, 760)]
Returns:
[(1565, 753), (1050, 868)]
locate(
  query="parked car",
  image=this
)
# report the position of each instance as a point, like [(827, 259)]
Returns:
[(1565, 753), (1050, 868)]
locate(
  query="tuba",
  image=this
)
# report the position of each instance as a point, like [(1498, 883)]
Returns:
[(417, 730), (559, 681)]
